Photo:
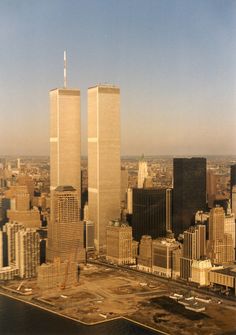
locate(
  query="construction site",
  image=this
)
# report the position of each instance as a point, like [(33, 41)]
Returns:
[(102, 294)]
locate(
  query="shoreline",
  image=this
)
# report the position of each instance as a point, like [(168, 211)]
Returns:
[(12, 296)]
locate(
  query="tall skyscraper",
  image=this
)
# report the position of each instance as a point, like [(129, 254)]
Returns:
[(233, 200), (216, 223), (221, 243), (194, 247), (65, 231), (103, 158), (151, 212), (189, 193), (211, 187), (65, 138), (124, 177), (232, 180), (11, 228), (142, 172)]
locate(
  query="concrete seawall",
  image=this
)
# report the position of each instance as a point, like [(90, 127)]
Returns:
[(12, 296)]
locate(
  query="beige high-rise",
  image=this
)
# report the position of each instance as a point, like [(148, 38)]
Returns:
[(103, 158), (65, 138), (65, 231)]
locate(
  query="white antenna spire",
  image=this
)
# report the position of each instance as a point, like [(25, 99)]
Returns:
[(65, 83)]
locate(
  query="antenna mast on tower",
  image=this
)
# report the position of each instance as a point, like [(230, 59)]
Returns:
[(65, 83)]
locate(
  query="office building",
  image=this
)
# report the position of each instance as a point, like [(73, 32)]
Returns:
[(65, 230), (20, 210), (232, 180), (189, 194), (142, 172), (27, 252), (22, 199), (222, 251), (88, 235), (65, 138), (103, 159), (11, 228), (130, 201), (221, 244), (224, 278), (119, 243), (169, 209), (211, 188), (24, 180), (162, 256), (3, 249), (216, 223), (5, 206), (123, 186), (229, 226), (233, 200), (151, 212), (194, 247), (86, 212), (144, 260)]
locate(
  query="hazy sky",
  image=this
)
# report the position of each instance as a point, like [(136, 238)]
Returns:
[(175, 62)]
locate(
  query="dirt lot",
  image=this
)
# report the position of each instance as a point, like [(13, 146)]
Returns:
[(104, 293)]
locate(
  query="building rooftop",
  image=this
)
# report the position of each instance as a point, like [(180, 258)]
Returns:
[(230, 271), (65, 188), (118, 223)]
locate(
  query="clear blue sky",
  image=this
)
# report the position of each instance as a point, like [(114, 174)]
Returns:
[(175, 62)]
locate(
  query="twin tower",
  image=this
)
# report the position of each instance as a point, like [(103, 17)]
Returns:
[(103, 151)]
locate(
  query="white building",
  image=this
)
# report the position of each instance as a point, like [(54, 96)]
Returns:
[(27, 252), (200, 271), (142, 172), (11, 228)]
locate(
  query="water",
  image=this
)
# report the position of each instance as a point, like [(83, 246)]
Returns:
[(17, 317)]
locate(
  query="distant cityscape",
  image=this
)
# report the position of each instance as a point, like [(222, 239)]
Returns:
[(68, 221)]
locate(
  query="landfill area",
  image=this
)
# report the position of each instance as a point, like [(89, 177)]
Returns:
[(105, 293)]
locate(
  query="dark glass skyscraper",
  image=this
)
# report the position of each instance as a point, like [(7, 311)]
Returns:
[(232, 179), (151, 212), (189, 193)]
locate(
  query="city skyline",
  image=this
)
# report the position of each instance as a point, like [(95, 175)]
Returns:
[(172, 60)]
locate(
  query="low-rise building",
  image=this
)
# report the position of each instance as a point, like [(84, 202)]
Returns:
[(200, 271), (224, 277)]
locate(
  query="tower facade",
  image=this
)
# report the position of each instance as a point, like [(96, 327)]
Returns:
[(142, 172), (65, 231), (119, 243), (103, 158), (189, 194), (27, 252), (194, 247), (151, 212), (232, 181), (65, 138)]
